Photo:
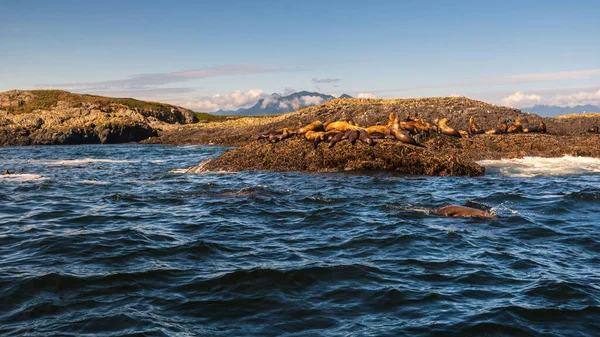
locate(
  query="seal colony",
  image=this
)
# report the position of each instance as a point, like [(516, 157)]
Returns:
[(332, 132)]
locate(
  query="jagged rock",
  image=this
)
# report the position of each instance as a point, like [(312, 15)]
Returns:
[(299, 155), (58, 117)]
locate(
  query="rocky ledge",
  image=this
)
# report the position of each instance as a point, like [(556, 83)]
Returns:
[(55, 117), (299, 155)]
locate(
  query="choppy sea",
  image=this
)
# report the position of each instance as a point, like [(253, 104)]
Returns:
[(115, 240)]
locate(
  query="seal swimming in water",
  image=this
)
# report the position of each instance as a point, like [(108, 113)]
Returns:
[(461, 211)]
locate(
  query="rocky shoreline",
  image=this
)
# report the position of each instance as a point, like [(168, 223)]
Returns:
[(51, 117)]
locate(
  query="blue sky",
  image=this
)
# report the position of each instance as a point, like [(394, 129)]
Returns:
[(224, 54)]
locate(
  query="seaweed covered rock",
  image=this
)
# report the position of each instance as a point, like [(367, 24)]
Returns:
[(300, 155)]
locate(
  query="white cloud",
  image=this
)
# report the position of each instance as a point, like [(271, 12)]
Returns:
[(312, 100), (578, 98), (366, 95), (521, 100), (240, 99), (232, 101), (299, 102)]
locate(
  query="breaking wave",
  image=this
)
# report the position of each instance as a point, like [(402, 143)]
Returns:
[(539, 166)]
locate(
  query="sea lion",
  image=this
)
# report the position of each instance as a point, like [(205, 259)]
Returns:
[(593, 129), (315, 136), (474, 129), (503, 128), (353, 136), (517, 127), (416, 125), (378, 129), (377, 135), (337, 138), (402, 136), (542, 126), (445, 129), (495, 131), (365, 138), (314, 126), (340, 126), (461, 211), (391, 119)]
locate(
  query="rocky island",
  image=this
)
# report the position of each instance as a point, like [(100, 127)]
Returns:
[(44, 117)]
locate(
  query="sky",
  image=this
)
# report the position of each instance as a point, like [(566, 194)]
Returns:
[(210, 55)]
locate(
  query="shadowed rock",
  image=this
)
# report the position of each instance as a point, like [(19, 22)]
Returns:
[(299, 155)]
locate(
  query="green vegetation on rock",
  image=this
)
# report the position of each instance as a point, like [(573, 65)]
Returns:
[(48, 99)]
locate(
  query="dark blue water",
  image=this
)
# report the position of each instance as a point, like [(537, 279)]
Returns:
[(115, 241)]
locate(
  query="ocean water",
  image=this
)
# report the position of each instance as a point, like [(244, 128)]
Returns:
[(118, 241)]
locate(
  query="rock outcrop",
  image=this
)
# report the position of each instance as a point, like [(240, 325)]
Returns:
[(299, 155), (51, 117)]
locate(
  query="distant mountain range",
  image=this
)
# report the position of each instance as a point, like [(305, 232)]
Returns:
[(277, 104), (553, 110)]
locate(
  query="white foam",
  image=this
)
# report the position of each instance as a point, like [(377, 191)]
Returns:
[(95, 182), (23, 177), (67, 162), (179, 171), (539, 166)]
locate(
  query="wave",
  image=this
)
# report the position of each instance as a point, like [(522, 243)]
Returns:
[(23, 177), (95, 182), (69, 162), (538, 166)]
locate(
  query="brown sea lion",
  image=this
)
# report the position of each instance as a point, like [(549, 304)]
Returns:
[(353, 136), (503, 128), (337, 138), (379, 129), (365, 138), (391, 119), (315, 136), (542, 127), (402, 136), (474, 129), (340, 126), (517, 127), (416, 125), (408, 126), (377, 135), (495, 131), (461, 211), (314, 126), (445, 129), (593, 129)]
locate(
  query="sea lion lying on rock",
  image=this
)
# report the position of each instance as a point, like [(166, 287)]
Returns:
[(541, 128), (462, 211), (593, 129), (340, 126), (517, 127), (474, 129), (445, 129)]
